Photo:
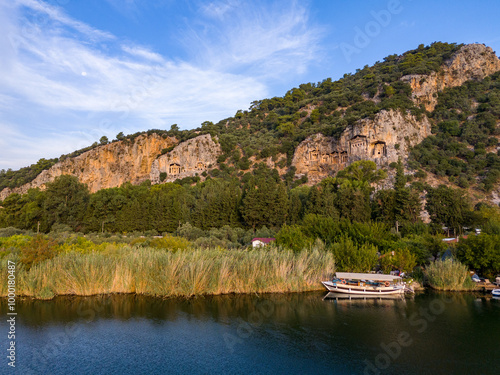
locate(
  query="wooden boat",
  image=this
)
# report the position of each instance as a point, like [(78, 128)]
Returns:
[(368, 284)]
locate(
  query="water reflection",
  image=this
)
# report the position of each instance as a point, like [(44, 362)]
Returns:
[(269, 333)]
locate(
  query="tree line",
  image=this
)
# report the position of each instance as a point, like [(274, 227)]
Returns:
[(259, 199)]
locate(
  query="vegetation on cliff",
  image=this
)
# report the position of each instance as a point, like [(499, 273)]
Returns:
[(463, 147)]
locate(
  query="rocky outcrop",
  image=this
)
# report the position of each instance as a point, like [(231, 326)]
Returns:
[(188, 159), (382, 140), (472, 61), (105, 166)]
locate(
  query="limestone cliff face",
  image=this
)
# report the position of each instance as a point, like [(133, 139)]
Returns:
[(105, 166), (472, 61), (382, 140), (188, 159)]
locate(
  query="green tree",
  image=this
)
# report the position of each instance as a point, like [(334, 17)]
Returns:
[(350, 257), (362, 171), (66, 202), (216, 203), (448, 207), (265, 202), (291, 237), (353, 200), (481, 253), (103, 210), (322, 197), (406, 202)]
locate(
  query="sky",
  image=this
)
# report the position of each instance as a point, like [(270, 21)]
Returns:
[(72, 71)]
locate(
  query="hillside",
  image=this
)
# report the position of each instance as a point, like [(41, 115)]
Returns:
[(379, 113)]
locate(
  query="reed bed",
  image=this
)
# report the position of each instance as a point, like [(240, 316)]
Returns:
[(448, 275), (189, 272)]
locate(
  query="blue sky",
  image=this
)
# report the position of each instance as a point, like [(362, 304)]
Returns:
[(75, 70)]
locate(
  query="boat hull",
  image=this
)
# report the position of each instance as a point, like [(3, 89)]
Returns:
[(496, 292), (362, 290)]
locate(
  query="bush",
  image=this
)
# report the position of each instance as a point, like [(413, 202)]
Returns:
[(190, 232), (291, 237), (37, 250), (481, 253), (402, 260), (448, 275), (11, 231), (169, 243), (350, 257)]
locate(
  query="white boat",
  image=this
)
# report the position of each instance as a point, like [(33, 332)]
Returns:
[(496, 292), (368, 284)]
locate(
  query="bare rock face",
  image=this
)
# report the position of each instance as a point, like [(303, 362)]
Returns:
[(187, 159), (382, 140), (472, 61), (105, 166)]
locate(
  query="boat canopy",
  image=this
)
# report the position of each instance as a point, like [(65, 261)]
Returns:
[(366, 276)]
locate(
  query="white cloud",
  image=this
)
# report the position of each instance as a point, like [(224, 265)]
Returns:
[(258, 38), (57, 67), (55, 14), (218, 9), (143, 53)]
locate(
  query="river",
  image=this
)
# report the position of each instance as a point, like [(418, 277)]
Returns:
[(302, 333)]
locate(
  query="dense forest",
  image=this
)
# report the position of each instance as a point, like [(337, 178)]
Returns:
[(350, 213)]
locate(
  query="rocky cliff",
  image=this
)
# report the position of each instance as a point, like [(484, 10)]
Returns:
[(383, 140), (106, 166), (188, 159), (472, 61)]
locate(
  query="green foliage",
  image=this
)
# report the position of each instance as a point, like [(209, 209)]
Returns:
[(462, 125), (264, 202), (449, 207), (481, 253), (189, 272), (350, 257), (38, 249), (12, 179), (291, 237), (171, 243), (403, 260), (448, 275), (363, 171), (65, 202)]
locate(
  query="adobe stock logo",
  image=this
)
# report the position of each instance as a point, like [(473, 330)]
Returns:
[(364, 36)]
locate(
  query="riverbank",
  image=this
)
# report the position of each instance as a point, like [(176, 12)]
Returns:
[(189, 272)]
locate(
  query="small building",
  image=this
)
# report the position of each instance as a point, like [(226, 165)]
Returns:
[(259, 242)]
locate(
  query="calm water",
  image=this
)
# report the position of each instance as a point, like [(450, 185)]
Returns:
[(267, 334)]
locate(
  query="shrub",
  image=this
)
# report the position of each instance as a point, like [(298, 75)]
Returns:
[(291, 237), (402, 260), (448, 275), (169, 243), (350, 257), (37, 250)]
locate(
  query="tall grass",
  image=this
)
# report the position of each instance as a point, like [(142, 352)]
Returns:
[(187, 272), (448, 275)]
